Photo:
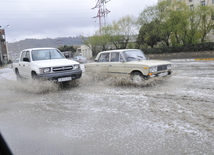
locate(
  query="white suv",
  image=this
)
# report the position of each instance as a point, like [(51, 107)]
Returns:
[(46, 63)]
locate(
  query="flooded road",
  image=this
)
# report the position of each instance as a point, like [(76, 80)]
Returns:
[(173, 116)]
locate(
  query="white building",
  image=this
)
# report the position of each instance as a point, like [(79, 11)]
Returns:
[(85, 51), (193, 2)]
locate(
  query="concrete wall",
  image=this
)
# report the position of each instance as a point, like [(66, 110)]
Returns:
[(183, 55)]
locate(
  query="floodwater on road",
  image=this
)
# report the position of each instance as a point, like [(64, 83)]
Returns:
[(172, 116)]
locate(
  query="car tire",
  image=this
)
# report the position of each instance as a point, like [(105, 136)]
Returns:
[(18, 76), (137, 78), (34, 76)]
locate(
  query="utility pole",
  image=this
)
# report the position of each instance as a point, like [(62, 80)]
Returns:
[(102, 12)]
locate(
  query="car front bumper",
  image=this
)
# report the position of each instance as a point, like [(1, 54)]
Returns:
[(74, 74), (161, 74)]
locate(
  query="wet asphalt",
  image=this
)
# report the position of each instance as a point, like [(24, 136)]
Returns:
[(102, 117)]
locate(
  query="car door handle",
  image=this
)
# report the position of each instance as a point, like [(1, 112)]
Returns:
[(110, 65), (23, 65)]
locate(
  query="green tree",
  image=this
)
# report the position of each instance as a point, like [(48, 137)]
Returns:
[(148, 15), (164, 25), (121, 32), (67, 48), (149, 34), (155, 26), (206, 15), (192, 35), (179, 26), (114, 36), (96, 42), (177, 23)]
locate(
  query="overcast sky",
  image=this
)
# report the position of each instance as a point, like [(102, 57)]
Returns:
[(60, 18)]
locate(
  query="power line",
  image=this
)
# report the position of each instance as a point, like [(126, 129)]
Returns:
[(102, 12)]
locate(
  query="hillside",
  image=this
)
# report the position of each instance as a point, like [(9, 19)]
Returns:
[(47, 42)]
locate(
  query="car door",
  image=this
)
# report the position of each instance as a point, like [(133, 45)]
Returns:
[(21, 63), (24, 66), (103, 64), (116, 65)]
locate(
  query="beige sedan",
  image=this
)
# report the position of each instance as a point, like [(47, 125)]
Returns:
[(128, 63)]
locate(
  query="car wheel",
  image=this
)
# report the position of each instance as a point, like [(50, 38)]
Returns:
[(34, 76), (18, 76), (137, 78)]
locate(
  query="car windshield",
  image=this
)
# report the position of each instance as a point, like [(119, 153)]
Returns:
[(45, 54), (134, 55)]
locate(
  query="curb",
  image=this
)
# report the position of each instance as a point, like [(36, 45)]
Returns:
[(209, 59), (198, 59)]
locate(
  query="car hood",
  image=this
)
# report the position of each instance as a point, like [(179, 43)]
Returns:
[(137, 63), (55, 62), (149, 62)]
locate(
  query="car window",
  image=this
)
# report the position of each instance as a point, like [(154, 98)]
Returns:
[(134, 55), (104, 57), (28, 55), (115, 57), (23, 55), (46, 54)]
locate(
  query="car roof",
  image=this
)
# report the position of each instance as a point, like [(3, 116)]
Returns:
[(40, 48), (120, 50)]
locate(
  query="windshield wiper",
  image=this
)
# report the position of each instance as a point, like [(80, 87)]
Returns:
[(131, 57), (140, 56)]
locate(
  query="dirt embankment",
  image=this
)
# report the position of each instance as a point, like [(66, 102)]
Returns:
[(183, 55)]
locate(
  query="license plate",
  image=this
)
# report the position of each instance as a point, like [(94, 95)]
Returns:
[(64, 79), (163, 74)]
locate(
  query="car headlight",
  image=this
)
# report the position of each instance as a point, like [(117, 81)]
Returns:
[(45, 70), (153, 69), (168, 67), (76, 66)]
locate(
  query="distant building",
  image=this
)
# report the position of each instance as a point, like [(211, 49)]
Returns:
[(3, 48), (192, 3), (68, 54), (85, 51)]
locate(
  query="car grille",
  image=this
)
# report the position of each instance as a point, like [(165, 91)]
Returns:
[(62, 68), (162, 67)]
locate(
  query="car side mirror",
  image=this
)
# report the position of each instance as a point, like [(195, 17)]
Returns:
[(26, 59), (95, 60)]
